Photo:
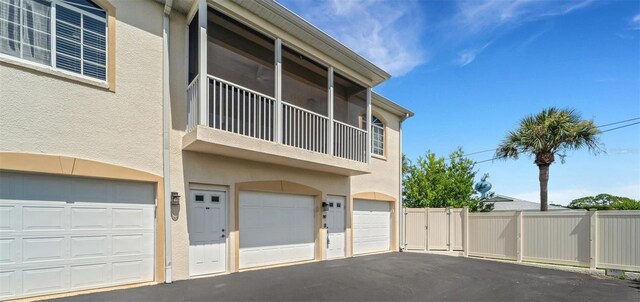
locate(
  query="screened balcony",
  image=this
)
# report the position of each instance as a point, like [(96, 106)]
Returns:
[(257, 87)]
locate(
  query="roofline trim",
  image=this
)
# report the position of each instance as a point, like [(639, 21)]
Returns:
[(389, 105)]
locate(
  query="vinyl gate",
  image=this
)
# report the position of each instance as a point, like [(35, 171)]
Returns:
[(434, 229)]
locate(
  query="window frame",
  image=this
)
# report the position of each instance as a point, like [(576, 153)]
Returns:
[(109, 65), (382, 127)]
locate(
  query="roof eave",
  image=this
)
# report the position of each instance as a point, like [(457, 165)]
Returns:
[(390, 106)]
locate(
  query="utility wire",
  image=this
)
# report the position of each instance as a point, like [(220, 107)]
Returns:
[(620, 122), (623, 126), (615, 128), (605, 125)]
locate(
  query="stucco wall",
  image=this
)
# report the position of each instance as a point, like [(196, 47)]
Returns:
[(44, 113), (201, 168), (385, 174)]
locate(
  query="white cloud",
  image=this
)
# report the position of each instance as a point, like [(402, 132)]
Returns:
[(467, 56), (475, 16), (386, 32), (481, 20), (565, 196), (635, 22)]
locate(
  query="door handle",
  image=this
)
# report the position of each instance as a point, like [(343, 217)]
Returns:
[(222, 236)]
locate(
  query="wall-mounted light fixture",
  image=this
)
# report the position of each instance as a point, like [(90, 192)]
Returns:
[(175, 199)]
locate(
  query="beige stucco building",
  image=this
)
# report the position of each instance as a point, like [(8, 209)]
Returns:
[(149, 141)]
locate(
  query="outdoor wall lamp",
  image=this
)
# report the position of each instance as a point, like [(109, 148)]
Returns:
[(175, 199)]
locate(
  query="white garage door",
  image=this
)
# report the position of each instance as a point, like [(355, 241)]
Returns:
[(275, 228), (371, 226), (60, 233)]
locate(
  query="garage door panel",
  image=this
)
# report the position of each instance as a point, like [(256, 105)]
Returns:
[(42, 280), (89, 275), (371, 226), (89, 218), (8, 283), (275, 228), (7, 218), (43, 218), (131, 271), (89, 246), (58, 244), (43, 249)]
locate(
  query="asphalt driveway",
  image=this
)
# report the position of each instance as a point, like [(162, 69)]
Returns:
[(388, 277)]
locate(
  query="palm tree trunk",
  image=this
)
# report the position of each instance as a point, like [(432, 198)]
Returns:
[(544, 180)]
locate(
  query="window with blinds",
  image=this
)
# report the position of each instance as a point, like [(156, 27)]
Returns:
[(66, 34)]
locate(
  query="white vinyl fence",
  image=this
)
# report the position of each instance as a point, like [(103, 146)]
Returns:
[(597, 239)]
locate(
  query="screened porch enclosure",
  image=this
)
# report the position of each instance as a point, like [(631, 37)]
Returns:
[(257, 86)]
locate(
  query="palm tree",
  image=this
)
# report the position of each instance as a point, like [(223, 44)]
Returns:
[(546, 135)]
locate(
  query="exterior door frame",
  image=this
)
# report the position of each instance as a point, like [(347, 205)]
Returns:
[(344, 225), (225, 215)]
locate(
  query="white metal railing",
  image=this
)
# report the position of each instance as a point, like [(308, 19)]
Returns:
[(349, 142), (247, 112), (240, 110), (303, 128), (193, 103)]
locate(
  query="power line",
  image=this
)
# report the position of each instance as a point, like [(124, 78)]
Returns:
[(478, 152), (620, 122), (599, 126), (615, 128), (623, 126)]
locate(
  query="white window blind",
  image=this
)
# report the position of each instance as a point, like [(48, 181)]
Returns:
[(377, 131), (65, 34)]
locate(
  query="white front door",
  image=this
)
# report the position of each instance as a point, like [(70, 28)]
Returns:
[(207, 232), (335, 227)]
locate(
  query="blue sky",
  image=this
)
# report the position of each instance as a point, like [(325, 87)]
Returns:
[(470, 70)]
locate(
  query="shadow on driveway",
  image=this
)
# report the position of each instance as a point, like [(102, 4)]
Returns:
[(388, 277)]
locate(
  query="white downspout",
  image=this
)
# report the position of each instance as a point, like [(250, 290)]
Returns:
[(166, 120), (402, 232)]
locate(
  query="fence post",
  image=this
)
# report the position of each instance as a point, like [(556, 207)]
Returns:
[(593, 240), (465, 231), (426, 229), (450, 226), (519, 236)]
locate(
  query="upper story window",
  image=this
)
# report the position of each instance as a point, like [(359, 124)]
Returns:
[(65, 34), (377, 136)]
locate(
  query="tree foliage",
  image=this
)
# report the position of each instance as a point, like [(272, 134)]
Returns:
[(435, 182), (605, 202), (548, 134)]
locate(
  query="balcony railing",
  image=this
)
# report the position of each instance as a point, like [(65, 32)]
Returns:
[(304, 129), (193, 95), (240, 110), (349, 142)]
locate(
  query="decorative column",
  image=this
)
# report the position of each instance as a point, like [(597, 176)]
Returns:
[(330, 111), (368, 123), (278, 90), (202, 63)]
